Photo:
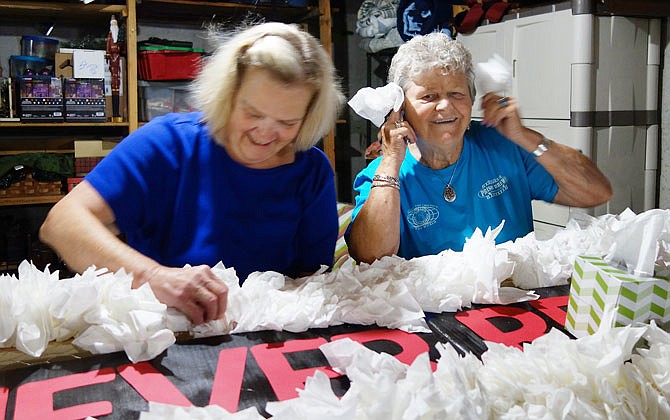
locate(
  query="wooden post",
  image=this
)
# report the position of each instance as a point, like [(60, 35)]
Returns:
[(325, 35)]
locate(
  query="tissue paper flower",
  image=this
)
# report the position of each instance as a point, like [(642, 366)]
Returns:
[(494, 75), (375, 103), (609, 375)]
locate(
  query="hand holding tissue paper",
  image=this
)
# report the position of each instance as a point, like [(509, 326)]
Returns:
[(374, 104), (494, 75), (623, 279)]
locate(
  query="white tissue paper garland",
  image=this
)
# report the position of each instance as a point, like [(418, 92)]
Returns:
[(392, 292), (608, 375), (549, 263), (494, 75), (374, 104)]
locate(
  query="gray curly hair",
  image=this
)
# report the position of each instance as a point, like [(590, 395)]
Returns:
[(428, 52)]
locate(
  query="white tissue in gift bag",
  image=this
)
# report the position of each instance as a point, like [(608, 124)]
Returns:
[(494, 75), (636, 243), (374, 104)]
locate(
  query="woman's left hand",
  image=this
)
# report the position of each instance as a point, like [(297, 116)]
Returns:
[(502, 112)]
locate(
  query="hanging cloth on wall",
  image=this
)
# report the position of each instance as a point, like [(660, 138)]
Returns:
[(421, 17)]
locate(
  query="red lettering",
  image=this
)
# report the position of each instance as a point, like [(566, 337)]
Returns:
[(552, 307), (4, 395), (412, 345), (34, 400), (283, 379), (152, 385), (228, 378), (479, 321)]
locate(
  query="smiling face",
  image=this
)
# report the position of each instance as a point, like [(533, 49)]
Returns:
[(439, 107), (266, 117)]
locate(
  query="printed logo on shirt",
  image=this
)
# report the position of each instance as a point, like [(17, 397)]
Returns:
[(422, 216), (494, 187)]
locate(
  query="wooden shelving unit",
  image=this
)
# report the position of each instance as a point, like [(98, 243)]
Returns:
[(29, 200)]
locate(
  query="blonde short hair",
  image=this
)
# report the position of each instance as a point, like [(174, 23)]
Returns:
[(428, 52), (288, 53)]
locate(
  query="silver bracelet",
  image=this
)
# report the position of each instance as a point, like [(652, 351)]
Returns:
[(385, 184), (387, 178), (542, 147)]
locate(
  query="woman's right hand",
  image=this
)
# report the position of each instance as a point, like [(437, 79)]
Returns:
[(195, 291), (396, 133)]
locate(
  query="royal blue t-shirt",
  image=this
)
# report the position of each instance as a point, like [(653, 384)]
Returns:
[(180, 199), (494, 180)]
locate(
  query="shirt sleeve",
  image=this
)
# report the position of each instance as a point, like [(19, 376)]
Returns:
[(134, 177), (318, 228)]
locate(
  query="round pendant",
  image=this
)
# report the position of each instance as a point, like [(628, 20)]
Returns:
[(449, 194)]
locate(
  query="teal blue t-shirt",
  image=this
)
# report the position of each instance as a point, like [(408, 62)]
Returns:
[(494, 180)]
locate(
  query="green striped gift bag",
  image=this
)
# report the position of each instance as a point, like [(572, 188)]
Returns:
[(596, 285)]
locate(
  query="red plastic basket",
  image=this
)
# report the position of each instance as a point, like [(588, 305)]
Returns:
[(168, 65)]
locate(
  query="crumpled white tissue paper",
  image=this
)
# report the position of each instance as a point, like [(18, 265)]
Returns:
[(636, 244), (391, 292), (549, 262), (98, 308), (159, 411), (374, 104), (616, 373), (494, 75)]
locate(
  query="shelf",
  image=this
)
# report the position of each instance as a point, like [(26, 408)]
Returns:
[(195, 11), (27, 200), (29, 10), (63, 124)]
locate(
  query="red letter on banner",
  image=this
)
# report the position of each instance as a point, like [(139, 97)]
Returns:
[(412, 345), (282, 377), (532, 325), (228, 378), (4, 395), (152, 385), (552, 307), (34, 400)]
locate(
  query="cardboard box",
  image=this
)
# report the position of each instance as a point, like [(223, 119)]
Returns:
[(93, 148), (84, 99), (64, 65), (597, 285), (41, 99)]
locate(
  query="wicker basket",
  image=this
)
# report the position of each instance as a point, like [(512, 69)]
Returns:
[(29, 187)]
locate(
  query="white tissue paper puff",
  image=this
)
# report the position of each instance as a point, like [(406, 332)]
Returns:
[(374, 104), (316, 401), (30, 308), (494, 75), (160, 411), (636, 244), (127, 319), (616, 373), (8, 285), (549, 263)]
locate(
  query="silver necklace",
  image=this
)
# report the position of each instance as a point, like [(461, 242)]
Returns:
[(449, 193)]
